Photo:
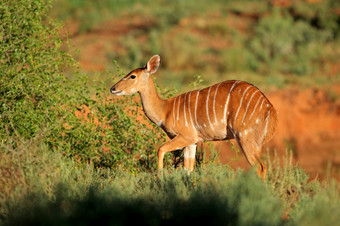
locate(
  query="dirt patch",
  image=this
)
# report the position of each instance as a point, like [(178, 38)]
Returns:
[(102, 42), (309, 124)]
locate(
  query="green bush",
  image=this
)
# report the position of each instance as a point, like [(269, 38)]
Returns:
[(110, 136), (32, 65), (322, 208), (171, 198), (37, 99), (44, 187), (286, 45)]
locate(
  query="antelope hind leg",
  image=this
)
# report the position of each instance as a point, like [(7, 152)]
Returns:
[(252, 153)]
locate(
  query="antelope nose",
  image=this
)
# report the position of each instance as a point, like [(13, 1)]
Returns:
[(112, 89)]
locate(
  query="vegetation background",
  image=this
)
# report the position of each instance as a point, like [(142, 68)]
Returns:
[(72, 155)]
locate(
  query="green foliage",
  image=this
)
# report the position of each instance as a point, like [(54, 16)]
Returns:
[(53, 189), (61, 191), (32, 65), (44, 187), (322, 208), (71, 116), (290, 181), (92, 12), (287, 45), (109, 134)]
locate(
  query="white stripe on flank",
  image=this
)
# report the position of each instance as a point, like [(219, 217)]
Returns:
[(192, 123), (239, 107), (173, 111), (262, 104), (266, 126), (214, 102), (179, 102), (206, 106), (227, 102), (198, 93), (258, 101), (185, 116), (245, 113)]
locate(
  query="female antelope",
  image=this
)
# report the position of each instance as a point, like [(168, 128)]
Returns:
[(227, 110)]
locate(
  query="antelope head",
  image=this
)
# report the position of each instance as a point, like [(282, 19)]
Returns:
[(135, 81)]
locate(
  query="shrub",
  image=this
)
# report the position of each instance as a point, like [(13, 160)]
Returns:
[(36, 98), (286, 45), (322, 208), (46, 187), (235, 199), (32, 65), (110, 134)]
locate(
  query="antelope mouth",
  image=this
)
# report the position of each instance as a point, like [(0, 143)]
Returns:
[(116, 92)]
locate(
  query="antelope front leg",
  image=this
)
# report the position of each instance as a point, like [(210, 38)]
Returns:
[(189, 157), (174, 144)]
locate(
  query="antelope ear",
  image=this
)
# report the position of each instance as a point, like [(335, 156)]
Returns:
[(153, 64)]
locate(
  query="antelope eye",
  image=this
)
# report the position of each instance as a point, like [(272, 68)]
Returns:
[(133, 76)]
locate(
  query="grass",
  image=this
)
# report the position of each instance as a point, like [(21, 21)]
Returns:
[(44, 187)]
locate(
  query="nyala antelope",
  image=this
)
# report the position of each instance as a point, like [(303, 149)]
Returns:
[(227, 110)]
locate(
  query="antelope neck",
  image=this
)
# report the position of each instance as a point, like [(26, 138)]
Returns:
[(154, 106)]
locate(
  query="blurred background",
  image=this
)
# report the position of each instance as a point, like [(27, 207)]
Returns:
[(290, 49)]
